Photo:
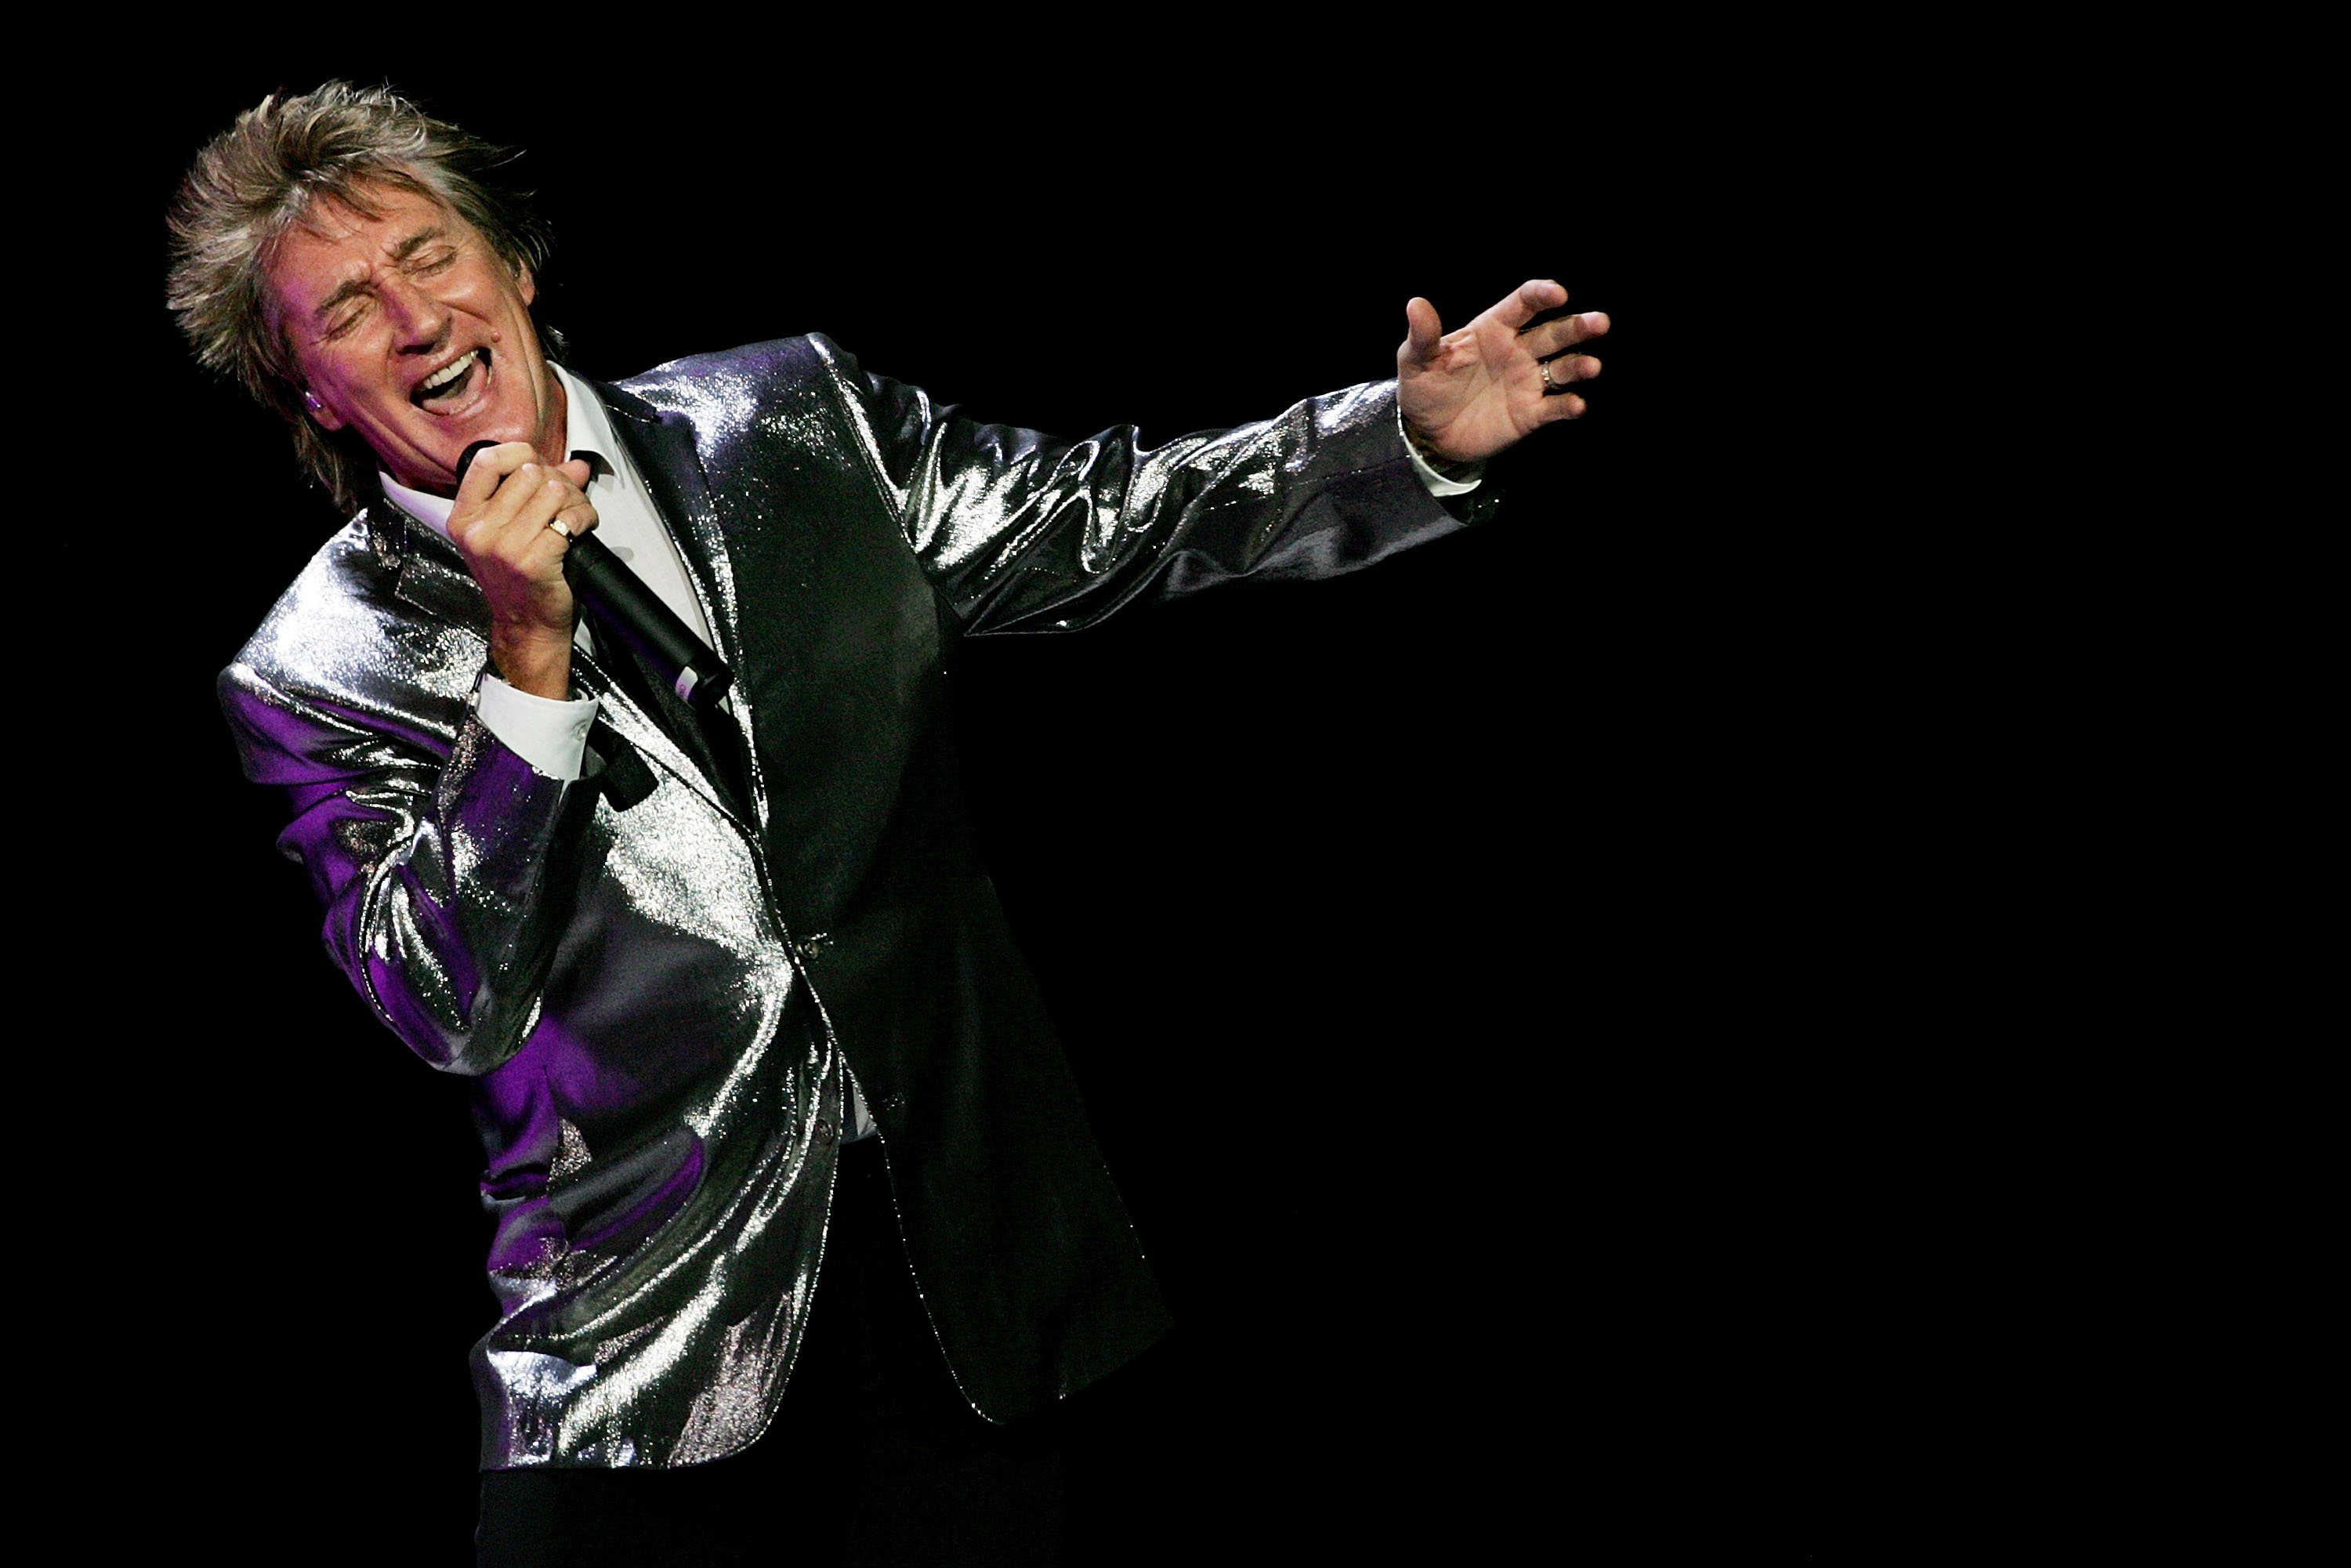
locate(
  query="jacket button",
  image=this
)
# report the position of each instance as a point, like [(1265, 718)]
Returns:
[(813, 944), (824, 1129)]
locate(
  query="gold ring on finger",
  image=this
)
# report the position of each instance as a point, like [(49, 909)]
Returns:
[(560, 526)]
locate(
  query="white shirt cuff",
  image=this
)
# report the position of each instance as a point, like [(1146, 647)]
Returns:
[(1438, 485), (550, 735)]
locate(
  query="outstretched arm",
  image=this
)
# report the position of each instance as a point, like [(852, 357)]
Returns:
[(1470, 393)]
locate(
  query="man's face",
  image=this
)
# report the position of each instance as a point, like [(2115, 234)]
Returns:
[(408, 328)]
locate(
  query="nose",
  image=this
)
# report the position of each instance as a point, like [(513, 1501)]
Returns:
[(419, 322)]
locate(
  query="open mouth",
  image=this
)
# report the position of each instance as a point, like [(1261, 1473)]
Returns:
[(448, 388)]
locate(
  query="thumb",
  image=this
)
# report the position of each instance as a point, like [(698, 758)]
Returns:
[(1422, 329)]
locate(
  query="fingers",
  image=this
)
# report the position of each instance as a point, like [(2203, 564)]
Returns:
[(565, 483), (1564, 332), (575, 511), (1553, 344), (1528, 301), (1566, 406), (511, 543), (509, 492), (487, 471), (1555, 373)]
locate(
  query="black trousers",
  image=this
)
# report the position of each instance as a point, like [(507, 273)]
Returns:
[(874, 1459)]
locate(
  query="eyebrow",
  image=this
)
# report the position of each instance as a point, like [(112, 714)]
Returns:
[(400, 254)]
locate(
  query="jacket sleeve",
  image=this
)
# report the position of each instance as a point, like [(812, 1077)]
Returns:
[(430, 852), (1025, 533)]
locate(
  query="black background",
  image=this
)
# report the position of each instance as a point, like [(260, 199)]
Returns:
[(1478, 967)]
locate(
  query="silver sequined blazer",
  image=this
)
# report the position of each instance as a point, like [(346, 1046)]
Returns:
[(654, 990)]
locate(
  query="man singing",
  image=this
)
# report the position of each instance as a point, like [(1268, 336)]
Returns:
[(739, 1008)]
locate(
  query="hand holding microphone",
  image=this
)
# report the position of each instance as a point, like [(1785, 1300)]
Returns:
[(525, 614)]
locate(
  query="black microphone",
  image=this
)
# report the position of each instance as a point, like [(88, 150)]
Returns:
[(620, 599)]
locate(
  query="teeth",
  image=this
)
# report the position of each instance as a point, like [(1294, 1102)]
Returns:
[(450, 371)]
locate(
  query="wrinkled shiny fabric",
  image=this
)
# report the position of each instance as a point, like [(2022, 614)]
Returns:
[(657, 992)]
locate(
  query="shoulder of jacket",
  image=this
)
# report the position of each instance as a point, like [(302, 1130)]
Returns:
[(804, 390), (338, 601), (778, 368)]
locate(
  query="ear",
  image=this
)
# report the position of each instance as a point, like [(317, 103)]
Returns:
[(529, 284), (323, 416)]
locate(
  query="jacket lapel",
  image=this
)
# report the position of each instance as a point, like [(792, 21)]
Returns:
[(661, 443), (427, 569)]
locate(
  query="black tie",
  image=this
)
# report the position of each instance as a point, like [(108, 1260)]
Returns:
[(709, 736)]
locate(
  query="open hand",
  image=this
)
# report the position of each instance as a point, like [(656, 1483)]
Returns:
[(1472, 393)]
